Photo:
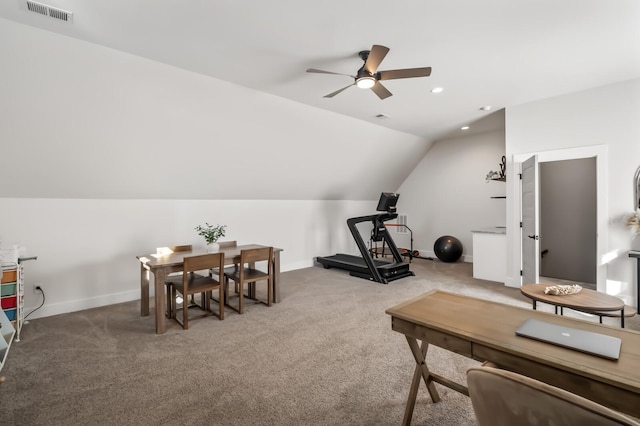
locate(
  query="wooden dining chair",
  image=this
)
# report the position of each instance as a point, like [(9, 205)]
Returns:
[(245, 272), (223, 245), (192, 284), (504, 398), (227, 244), (171, 278)]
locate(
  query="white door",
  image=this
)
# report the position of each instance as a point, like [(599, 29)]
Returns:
[(530, 222)]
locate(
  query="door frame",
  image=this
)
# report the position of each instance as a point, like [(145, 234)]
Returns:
[(530, 224), (602, 213)]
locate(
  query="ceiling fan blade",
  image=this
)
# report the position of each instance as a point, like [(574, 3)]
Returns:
[(313, 70), (332, 94), (404, 73), (381, 91), (376, 55)]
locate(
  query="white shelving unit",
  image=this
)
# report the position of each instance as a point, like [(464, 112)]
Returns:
[(12, 294), (12, 299), (12, 304)]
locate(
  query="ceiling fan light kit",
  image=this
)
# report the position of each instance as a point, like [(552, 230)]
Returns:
[(365, 82), (368, 77)]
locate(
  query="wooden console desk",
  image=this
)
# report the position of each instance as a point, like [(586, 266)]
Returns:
[(162, 265), (485, 331)]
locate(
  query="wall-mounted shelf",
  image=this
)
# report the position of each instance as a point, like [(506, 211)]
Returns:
[(501, 196)]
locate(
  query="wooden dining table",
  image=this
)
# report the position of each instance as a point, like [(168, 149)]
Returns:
[(163, 263)]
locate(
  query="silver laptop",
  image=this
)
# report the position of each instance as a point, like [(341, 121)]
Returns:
[(580, 340)]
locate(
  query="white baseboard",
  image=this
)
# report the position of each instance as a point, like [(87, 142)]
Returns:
[(50, 309), (127, 296), (515, 282), (430, 253)]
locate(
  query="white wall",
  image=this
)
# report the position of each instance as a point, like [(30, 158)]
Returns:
[(446, 194), (605, 116), (87, 248), (106, 156), (80, 120)]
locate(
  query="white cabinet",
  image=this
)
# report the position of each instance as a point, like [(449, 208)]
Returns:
[(490, 254)]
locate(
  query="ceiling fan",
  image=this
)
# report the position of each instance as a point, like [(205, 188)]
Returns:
[(368, 76)]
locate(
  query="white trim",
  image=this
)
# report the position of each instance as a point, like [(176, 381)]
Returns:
[(50, 309)]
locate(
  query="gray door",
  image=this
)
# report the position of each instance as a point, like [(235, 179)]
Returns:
[(530, 222), (568, 220)]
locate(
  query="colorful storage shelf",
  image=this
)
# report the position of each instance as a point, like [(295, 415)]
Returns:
[(7, 289), (11, 294), (9, 302)]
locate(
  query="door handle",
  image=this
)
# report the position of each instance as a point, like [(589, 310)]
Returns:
[(534, 237)]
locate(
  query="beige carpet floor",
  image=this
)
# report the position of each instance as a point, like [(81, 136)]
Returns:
[(325, 355)]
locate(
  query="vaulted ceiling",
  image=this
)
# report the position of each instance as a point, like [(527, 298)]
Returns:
[(496, 53)]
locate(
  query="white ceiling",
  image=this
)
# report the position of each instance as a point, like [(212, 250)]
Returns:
[(494, 52)]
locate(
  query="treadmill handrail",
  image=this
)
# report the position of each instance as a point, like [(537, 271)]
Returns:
[(377, 220), (366, 256)]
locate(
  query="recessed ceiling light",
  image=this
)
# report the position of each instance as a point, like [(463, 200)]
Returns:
[(437, 90), (486, 108), (464, 128)]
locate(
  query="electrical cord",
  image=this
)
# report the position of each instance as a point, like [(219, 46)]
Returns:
[(41, 305)]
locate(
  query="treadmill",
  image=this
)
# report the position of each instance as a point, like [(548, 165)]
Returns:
[(365, 266)]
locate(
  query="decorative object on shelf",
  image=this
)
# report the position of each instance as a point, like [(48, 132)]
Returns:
[(561, 290), (633, 223), (211, 235), (501, 175)]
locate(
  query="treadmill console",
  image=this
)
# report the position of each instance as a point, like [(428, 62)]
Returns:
[(387, 202)]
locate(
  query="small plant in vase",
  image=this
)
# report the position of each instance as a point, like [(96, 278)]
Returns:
[(211, 235), (501, 175)]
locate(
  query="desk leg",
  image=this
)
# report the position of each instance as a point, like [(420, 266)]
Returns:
[(421, 370), (159, 278), (622, 317), (144, 291), (276, 277)]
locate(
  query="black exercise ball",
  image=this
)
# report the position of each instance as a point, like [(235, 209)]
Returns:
[(448, 248)]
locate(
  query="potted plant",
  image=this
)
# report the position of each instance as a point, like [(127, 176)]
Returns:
[(492, 175), (211, 235), (501, 175)]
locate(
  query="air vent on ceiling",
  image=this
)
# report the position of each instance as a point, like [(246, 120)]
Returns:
[(52, 12)]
